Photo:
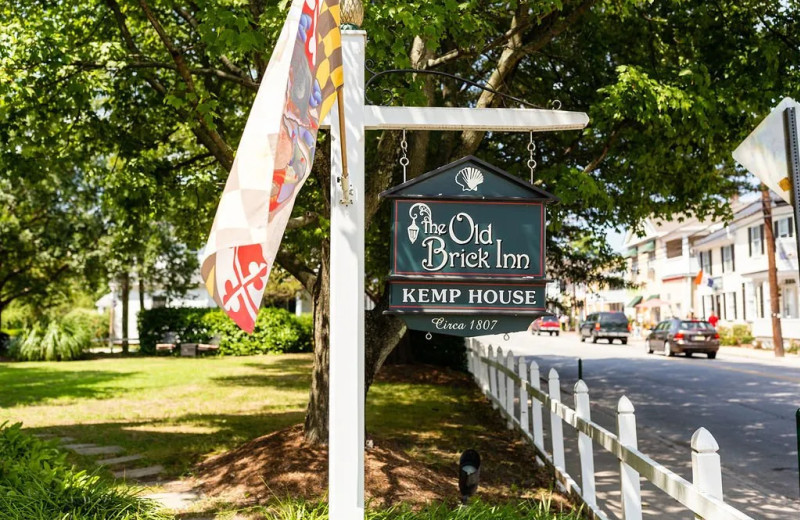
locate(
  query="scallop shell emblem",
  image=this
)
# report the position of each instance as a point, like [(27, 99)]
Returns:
[(469, 178)]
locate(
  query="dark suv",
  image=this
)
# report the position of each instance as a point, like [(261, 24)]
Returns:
[(606, 325)]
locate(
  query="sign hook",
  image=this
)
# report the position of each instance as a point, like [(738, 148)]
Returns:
[(404, 158), (531, 161)]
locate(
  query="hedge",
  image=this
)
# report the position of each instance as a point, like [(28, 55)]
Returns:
[(276, 331)]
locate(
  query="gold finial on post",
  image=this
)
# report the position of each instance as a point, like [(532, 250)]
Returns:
[(352, 13)]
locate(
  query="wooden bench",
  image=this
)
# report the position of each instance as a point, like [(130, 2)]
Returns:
[(193, 349), (168, 343)]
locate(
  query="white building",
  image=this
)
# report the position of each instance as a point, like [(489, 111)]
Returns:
[(665, 261), (735, 284)]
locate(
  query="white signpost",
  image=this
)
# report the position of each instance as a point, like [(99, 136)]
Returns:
[(346, 380)]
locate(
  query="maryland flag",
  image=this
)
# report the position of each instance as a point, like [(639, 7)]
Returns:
[(274, 158)]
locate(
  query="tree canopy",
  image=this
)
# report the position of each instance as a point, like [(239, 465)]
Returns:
[(146, 101)]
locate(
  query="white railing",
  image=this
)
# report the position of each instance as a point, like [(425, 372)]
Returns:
[(502, 382)]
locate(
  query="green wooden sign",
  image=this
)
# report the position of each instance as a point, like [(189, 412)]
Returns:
[(467, 250)]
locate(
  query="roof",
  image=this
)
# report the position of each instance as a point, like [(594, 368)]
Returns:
[(744, 211)]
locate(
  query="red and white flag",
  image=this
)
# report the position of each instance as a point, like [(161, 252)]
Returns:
[(274, 158)]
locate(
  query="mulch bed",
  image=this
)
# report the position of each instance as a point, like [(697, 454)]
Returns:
[(282, 464)]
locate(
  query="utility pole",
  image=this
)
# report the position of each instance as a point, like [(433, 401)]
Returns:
[(772, 271)]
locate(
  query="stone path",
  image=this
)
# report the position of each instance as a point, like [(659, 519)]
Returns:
[(119, 465), (121, 468)]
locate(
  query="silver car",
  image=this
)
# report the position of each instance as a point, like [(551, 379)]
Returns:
[(675, 336)]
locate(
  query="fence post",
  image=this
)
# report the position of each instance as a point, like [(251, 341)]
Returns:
[(706, 467), (629, 477), (470, 357), (556, 429), (510, 386), (484, 371), (536, 408), (522, 370), (492, 372), (500, 376), (585, 448)]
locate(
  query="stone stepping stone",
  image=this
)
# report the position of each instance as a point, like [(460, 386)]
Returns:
[(118, 460), (175, 500), (65, 439), (139, 472), (79, 446), (98, 450)]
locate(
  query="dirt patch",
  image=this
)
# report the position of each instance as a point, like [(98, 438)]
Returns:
[(414, 472), (423, 374)]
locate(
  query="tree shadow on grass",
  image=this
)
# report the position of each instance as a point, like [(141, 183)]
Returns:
[(177, 443), (23, 384)]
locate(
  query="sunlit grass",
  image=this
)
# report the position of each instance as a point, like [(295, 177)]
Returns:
[(173, 411)]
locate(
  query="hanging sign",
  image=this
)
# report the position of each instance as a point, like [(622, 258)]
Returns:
[(467, 250)]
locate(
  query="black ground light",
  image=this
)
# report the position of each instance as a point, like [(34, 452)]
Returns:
[(469, 474)]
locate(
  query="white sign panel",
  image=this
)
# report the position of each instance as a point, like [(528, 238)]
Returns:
[(763, 152)]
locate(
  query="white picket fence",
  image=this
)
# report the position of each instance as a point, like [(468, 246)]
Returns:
[(504, 380)]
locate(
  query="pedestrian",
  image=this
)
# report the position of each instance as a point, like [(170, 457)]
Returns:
[(564, 320), (713, 319)]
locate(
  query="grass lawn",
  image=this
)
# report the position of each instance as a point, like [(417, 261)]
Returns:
[(171, 410), (178, 411)]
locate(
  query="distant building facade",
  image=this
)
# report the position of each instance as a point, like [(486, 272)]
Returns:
[(728, 260)]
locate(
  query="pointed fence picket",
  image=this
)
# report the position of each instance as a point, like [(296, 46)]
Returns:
[(497, 377)]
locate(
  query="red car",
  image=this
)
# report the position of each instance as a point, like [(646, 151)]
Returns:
[(547, 324)]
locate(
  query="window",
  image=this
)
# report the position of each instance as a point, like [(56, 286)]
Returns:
[(784, 227), (760, 300), (730, 306), (789, 299), (705, 262), (159, 301), (728, 265), (675, 248), (755, 239)]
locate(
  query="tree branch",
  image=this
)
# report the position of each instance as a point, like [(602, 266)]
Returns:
[(299, 270), (119, 16), (209, 137), (243, 76), (297, 222), (612, 138)]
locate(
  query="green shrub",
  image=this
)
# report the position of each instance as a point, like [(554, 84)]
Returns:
[(276, 330), (736, 335), (187, 323), (37, 484), (55, 341), (94, 322)]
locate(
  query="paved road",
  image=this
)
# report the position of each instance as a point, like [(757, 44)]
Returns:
[(747, 403)]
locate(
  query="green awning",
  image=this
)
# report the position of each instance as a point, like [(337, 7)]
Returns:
[(650, 246), (653, 296), (635, 301), (629, 252)]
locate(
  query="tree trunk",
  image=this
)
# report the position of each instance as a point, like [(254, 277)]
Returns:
[(316, 422), (126, 293), (774, 291), (141, 285), (382, 334)]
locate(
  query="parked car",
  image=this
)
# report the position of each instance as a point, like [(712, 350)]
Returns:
[(547, 324), (676, 336), (606, 325)]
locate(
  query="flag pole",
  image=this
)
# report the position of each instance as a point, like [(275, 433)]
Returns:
[(345, 180)]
